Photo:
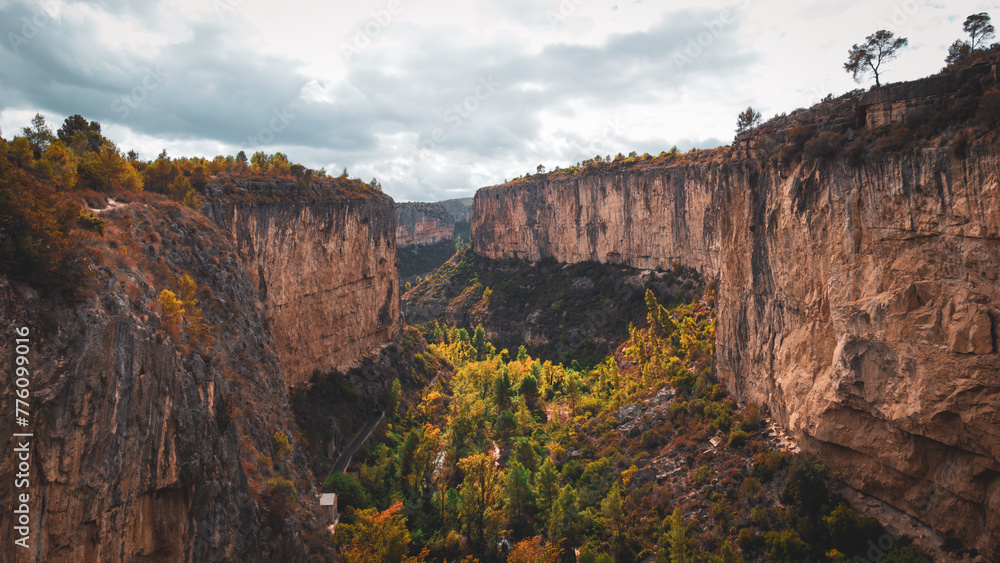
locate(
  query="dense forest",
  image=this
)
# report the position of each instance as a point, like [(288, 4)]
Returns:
[(642, 457)]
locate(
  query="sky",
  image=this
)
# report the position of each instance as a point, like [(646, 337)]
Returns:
[(438, 98)]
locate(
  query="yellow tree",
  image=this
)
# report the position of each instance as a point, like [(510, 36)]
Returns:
[(531, 550), (378, 537), (59, 164), (173, 311), (193, 314), (481, 496)]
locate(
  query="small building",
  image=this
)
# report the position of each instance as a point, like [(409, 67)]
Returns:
[(330, 499)]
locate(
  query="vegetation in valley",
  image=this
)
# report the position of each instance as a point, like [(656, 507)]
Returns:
[(559, 312), (421, 259), (505, 457)]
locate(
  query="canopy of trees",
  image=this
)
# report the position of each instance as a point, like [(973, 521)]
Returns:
[(980, 31)]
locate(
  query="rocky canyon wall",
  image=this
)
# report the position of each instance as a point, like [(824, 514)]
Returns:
[(155, 440), (147, 438), (647, 219), (859, 301), (326, 273), (423, 223)]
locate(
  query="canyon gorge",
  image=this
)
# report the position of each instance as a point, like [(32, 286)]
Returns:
[(849, 252)]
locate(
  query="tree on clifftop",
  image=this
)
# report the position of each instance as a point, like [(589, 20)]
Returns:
[(879, 47), (979, 28), (747, 120)]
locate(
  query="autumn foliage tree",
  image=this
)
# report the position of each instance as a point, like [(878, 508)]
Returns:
[(378, 537), (172, 310)]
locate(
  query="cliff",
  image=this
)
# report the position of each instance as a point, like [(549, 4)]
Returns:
[(325, 271), (460, 209), (423, 223), (172, 440), (858, 296), (648, 219), (148, 440)]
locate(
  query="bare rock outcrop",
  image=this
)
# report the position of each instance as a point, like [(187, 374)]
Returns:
[(147, 442), (326, 273), (423, 223)]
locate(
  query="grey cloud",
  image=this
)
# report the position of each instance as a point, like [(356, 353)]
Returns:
[(214, 85)]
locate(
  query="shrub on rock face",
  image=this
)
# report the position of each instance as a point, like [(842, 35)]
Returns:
[(737, 438), (824, 145), (279, 501)]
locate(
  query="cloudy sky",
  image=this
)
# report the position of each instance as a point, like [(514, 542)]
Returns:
[(437, 98)]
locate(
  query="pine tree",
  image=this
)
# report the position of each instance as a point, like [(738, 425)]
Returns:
[(173, 311)]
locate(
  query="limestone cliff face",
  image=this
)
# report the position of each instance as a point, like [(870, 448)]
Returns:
[(326, 273), (859, 302), (647, 219), (420, 223), (460, 209), (147, 443)]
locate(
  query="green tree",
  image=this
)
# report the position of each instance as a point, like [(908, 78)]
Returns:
[(89, 132), (786, 546), (680, 550), (529, 390), (747, 120), (39, 135), (518, 493), (502, 390), (958, 50), (524, 453), (481, 497), (105, 170), (564, 520), (59, 165), (522, 353), (193, 313), (479, 342), (728, 554), (879, 47), (547, 488), (613, 517), (505, 427), (350, 493), (979, 28)]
